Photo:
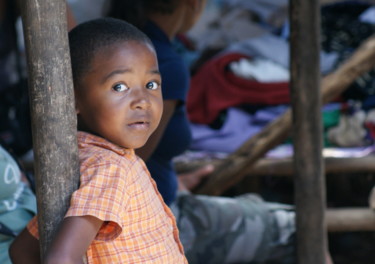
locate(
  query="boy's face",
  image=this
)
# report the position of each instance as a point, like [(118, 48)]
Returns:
[(120, 98)]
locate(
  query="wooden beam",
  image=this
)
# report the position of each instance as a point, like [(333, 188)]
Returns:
[(232, 169), (283, 167), (350, 220), (325, 2), (53, 112)]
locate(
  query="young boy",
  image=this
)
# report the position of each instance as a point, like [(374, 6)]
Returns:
[(117, 214)]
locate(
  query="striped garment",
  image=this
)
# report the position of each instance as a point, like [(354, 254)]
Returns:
[(117, 188)]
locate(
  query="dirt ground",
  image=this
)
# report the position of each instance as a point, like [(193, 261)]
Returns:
[(351, 190)]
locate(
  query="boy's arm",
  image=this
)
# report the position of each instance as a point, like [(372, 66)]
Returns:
[(69, 246), (25, 249), (72, 239)]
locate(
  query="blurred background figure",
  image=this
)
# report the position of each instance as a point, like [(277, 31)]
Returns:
[(17, 203)]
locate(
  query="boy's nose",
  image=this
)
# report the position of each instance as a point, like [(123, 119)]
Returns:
[(140, 99)]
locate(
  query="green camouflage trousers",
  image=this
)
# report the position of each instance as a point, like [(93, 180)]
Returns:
[(244, 229)]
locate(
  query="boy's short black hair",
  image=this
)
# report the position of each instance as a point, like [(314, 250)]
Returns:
[(86, 39)]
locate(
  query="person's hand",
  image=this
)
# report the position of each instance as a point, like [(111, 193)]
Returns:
[(189, 181)]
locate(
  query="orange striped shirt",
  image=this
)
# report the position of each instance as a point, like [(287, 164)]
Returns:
[(117, 188)]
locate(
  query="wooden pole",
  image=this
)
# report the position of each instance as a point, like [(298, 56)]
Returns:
[(283, 167), (52, 111), (309, 187), (350, 219), (325, 2)]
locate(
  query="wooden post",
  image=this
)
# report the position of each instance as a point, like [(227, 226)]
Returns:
[(307, 131), (53, 114)]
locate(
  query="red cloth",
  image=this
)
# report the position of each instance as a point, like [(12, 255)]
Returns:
[(215, 88)]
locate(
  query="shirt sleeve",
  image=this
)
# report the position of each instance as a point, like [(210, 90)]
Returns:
[(102, 194), (32, 227), (109, 230)]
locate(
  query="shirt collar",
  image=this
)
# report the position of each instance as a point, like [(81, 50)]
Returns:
[(85, 139)]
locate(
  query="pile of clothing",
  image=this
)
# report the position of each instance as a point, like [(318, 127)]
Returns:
[(244, 83)]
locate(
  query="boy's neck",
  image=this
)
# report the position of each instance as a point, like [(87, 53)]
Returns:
[(103, 138)]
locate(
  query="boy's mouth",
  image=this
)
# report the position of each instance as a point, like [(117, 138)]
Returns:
[(139, 124)]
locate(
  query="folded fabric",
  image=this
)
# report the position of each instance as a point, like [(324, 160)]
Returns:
[(215, 88), (268, 11), (276, 48), (350, 131), (368, 16), (238, 127), (261, 70)]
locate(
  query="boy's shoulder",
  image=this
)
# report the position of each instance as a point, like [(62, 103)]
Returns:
[(96, 144), (100, 158), (95, 150)]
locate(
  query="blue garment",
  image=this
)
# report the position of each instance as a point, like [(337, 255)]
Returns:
[(273, 240), (17, 203), (177, 136)]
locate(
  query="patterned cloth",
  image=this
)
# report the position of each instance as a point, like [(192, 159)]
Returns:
[(117, 188), (244, 229), (17, 203)]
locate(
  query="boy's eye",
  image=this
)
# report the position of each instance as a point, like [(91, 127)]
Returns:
[(120, 87), (152, 85)]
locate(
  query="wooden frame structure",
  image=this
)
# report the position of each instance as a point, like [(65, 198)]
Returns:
[(309, 191), (54, 123)]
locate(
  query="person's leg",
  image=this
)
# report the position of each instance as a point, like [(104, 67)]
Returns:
[(244, 229)]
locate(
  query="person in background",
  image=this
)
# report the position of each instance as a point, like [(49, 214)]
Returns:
[(17, 203), (243, 229), (117, 214)]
